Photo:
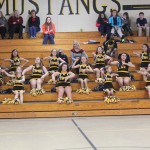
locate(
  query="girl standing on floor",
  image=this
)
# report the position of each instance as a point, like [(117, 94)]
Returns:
[(63, 76), (108, 86), (18, 88), (124, 77), (39, 72), (144, 56), (84, 68), (100, 61), (146, 77)]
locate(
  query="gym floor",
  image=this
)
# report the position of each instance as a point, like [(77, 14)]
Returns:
[(88, 133)]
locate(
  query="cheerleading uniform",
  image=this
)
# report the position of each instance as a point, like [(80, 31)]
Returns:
[(123, 70), (108, 82), (37, 72), (61, 79), (54, 64), (15, 64), (145, 60), (18, 86), (99, 61), (83, 75)]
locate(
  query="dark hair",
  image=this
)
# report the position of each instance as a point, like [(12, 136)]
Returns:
[(60, 68), (99, 17), (48, 24), (127, 59), (12, 56), (147, 49), (33, 11), (126, 13), (141, 13), (52, 52)]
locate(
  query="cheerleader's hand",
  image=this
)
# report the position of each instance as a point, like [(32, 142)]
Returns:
[(11, 61), (3, 71), (42, 78), (77, 59), (66, 79)]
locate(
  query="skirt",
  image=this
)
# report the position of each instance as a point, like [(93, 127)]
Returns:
[(18, 88), (83, 77), (123, 74), (99, 66), (63, 84), (144, 64)]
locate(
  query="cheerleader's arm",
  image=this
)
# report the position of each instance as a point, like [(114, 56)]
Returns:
[(137, 54), (25, 60), (7, 74), (45, 72), (27, 69)]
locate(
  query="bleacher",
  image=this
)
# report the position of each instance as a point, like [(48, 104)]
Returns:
[(132, 103)]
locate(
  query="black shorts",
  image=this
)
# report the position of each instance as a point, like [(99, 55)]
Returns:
[(83, 77), (18, 88), (63, 84), (123, 74), (144, 64), (35, 77), (99, 66), (53, 69), (147, 84), (108, 85)]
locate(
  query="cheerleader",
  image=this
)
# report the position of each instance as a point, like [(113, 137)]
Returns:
[(18, 88), (84, 68), (54, 62), (144, 56), (123, 65), (63, 83), (108, 86), (15, 61), (146, 77), (39, 72), (100, 62)]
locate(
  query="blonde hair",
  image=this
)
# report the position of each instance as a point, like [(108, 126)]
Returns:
[(76, 43)]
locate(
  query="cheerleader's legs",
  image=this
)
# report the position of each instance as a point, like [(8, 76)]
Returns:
[(111, 92), (61, 91), (81, 82), (21, 96), (33, 83), (120, 81), (108, 92), (85, 83), (39, 83), (126, 81), (16, 94), (97, 71), (68, 91), (148, 90)]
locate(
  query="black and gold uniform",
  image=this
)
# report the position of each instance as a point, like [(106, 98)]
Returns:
[(145, 60), (1, 78), (54, 64), (18, 86), (83, 75), (108, 82), (61, 79), (147, 81), (123, 70), (15, 64), (99, 61), (37, 72)]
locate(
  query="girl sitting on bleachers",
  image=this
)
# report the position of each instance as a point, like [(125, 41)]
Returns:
[(39, 72), (18, 88), (54, 62), (84, 69), (146, 76), (100, 59), (144, 56), (124, 76), (63, 76)]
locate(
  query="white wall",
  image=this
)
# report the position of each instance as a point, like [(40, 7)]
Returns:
[(70, 23)]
